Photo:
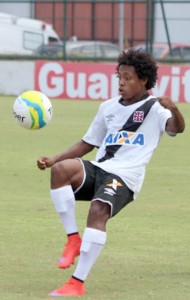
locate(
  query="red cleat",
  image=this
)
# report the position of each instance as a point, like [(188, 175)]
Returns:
[(71, 250), (73, 287)]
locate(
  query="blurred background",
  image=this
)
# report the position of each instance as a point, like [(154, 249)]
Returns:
[(94, 29), (51, 45)]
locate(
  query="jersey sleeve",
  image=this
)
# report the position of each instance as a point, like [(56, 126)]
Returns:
[(97, 130), (163, 115)]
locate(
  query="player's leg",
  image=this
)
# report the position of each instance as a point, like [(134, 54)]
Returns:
[(93, 241), (66, 176), (94, 238), (108, 200)]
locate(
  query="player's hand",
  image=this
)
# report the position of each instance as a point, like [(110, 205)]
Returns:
[(166, 102), (45, 162)]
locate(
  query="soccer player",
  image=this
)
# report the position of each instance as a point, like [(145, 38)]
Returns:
[(126, 130)]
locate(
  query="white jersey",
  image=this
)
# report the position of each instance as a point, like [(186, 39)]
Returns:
[(136, 148)]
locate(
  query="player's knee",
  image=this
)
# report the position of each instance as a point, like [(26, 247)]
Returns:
[(56, 169), (58, 175)]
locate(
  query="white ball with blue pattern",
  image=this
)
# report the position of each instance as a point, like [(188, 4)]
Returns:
[(33, 110)]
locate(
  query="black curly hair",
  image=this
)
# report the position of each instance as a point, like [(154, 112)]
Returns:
[(144, 64)]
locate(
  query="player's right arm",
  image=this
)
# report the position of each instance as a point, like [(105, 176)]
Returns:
[(77, 150), (93, 138)]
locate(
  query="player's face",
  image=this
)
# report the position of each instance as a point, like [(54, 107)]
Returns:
[(131, 88)]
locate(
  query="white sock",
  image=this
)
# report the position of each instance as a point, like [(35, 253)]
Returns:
[(64, 202), (92, 243)]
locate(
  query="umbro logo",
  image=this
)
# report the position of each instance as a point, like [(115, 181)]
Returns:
[(109, 192), (110, 117)]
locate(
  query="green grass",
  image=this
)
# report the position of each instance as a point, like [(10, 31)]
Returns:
[(147, 255)]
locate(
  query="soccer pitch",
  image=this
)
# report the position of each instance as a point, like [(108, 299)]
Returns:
[(148, 247)]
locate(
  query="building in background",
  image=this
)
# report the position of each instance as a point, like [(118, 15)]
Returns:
[(145, 21)]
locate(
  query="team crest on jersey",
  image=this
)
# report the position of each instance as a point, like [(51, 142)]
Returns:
[(138, 116)]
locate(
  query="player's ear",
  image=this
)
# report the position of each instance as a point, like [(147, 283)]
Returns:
[(144, 81)]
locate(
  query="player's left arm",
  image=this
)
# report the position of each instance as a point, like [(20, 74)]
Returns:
[(175, 124)]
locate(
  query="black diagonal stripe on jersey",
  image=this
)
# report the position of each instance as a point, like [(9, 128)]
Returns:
[(130, 125)]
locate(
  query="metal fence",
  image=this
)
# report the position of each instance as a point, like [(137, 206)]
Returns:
[(94, 30)]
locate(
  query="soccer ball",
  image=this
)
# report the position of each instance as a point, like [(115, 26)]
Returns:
[(32, 110)]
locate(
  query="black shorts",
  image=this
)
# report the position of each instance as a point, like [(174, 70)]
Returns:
[(103, 186)]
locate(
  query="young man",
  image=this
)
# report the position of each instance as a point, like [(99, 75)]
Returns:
[(126, 130)]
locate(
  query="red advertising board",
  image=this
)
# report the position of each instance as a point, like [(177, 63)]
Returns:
[(98, 81)]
